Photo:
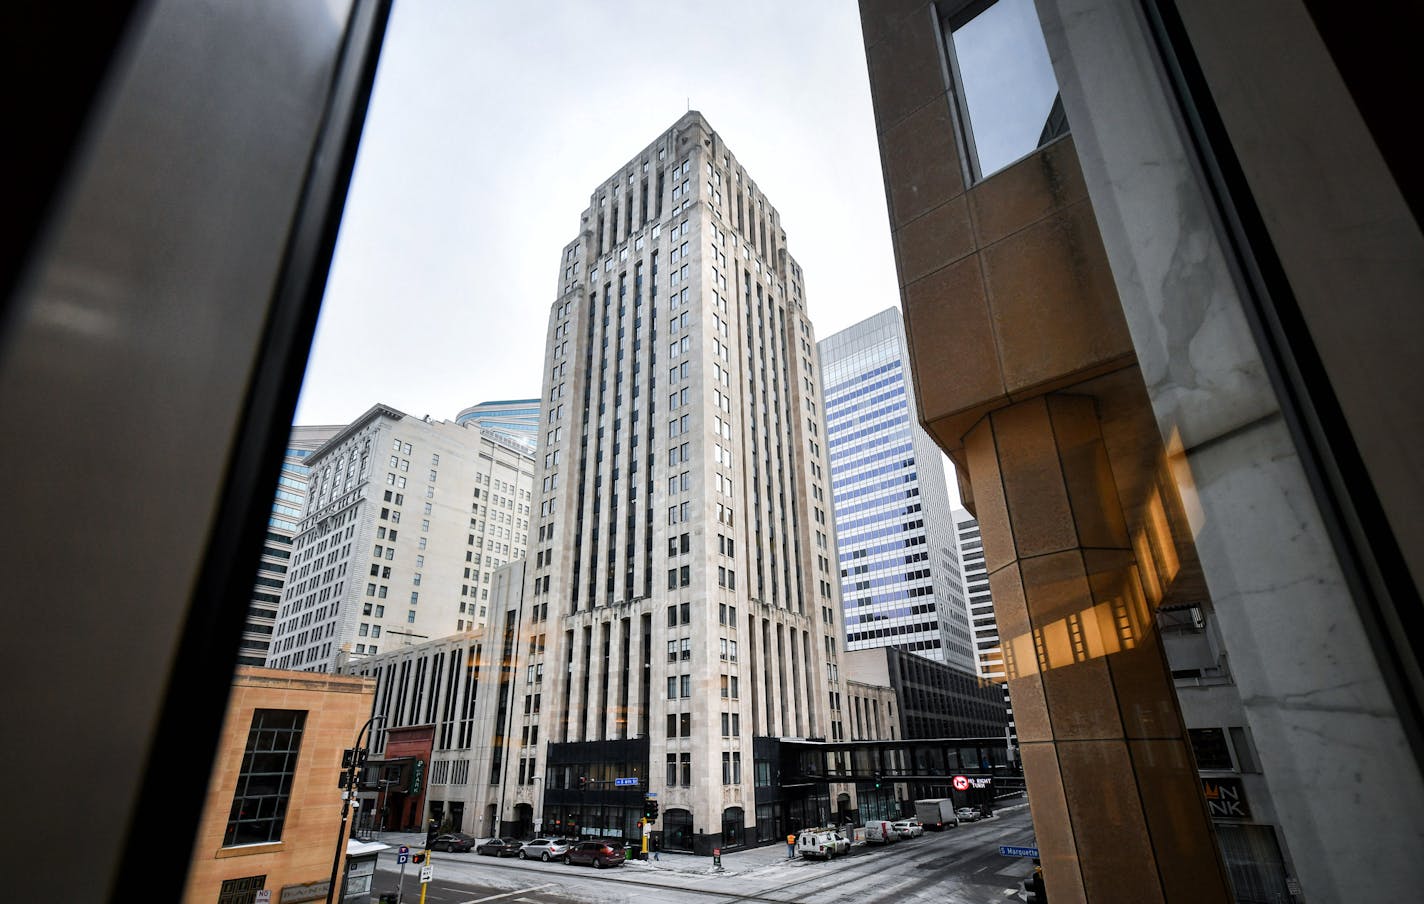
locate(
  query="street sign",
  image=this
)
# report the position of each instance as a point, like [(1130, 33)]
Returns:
[(426, 872), (1009, 850), (263, 897), (651, 794), (404, 849), (402, 858), (623, 782), (961, 783)]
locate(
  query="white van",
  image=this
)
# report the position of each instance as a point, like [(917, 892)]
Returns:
[(880, 831), (821, 844)]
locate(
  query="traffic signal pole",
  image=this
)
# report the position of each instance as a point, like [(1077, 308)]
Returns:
[(356, 759)]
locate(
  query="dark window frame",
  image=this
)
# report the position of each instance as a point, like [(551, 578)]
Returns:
[(264, 784)]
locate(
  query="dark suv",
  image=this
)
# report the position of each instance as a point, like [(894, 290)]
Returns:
[(599, 853), (455, 842)]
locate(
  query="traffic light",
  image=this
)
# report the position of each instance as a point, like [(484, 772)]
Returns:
[(650, 809), (418, 858), (353, 756), (877, 781)]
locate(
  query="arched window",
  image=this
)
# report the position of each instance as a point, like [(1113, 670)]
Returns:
[(677, 830)]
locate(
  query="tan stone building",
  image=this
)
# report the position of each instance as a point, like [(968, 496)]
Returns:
[(1164, 248), (405, 522), (274, 806)]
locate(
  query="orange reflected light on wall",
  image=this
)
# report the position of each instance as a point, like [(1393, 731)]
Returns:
[(1179, 471), (1116, 624), (1162, 543)]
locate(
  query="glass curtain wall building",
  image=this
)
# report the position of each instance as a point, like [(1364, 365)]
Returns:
[(272, 568), (899, 566), (515, 419)]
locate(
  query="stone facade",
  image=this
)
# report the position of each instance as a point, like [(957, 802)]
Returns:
[(685, 546), (405, 523), (296, 866)]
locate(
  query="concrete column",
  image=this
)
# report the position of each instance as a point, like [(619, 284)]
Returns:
[(1117, 805)]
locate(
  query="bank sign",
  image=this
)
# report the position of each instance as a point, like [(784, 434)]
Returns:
[(1225, 798)]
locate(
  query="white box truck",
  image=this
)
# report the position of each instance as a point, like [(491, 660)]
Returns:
[(937, 814)]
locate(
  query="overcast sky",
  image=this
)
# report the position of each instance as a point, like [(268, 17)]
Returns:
[(491, 123)]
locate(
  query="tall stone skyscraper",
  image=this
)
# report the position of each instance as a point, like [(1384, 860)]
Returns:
[(900, 574), (684, 553)]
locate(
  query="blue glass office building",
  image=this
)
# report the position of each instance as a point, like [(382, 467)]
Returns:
[(901, 583), (515, 419)]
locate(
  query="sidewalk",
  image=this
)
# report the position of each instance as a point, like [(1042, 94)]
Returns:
[(737, 862)]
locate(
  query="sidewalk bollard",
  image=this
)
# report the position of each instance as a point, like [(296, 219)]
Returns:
[(717, 859)]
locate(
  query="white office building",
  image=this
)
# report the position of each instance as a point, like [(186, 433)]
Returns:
[(405, 520)]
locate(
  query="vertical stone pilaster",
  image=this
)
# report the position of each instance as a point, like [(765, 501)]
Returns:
[(1117, 805)]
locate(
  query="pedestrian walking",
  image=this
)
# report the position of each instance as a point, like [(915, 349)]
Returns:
[(791, 847)]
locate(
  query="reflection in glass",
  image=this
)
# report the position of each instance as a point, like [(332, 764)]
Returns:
[(1007, 87)]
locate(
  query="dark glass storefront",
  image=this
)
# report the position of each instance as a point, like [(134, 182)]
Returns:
[(599, 805)]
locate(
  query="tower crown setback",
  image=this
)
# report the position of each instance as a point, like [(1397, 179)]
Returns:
[(684, 551)]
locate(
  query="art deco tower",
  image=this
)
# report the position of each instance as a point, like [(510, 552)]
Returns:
[(684, 555)]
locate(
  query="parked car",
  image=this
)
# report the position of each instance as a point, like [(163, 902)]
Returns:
[(498, 847), (880, 831), (598, 853), (454, 842), (545, 849), (967, 814), (908, 828), (822, 844)]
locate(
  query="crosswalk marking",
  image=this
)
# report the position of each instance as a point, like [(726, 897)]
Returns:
[(510, 894)]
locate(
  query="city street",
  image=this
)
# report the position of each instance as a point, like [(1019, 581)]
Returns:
[(959, 866)]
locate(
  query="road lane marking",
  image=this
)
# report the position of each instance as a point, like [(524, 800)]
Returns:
[(509, 894)]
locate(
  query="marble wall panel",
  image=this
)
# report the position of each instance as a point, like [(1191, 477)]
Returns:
[(951, 341), (905, 68), (921, 163), (1033, 480), (1109, 827), (1187, 860), (1052, 826), (1026, 192), (939, 237), (1097, 511), (876, 16), (1055, 311)]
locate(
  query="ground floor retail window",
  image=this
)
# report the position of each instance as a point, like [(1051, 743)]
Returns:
[(677, 830), (604, 821), (733, 819), (768, 825)]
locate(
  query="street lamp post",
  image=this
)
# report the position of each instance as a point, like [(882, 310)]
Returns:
[(346, 796)]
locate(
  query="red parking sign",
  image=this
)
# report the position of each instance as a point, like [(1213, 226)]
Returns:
[(961, 783)]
